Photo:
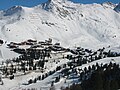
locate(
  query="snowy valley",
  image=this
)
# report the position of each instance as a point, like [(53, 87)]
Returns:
[(57, 44)]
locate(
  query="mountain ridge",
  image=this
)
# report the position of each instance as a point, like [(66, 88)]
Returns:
[(117, 8), (68, 23)]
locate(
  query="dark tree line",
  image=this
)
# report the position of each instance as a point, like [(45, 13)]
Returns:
[(99, 77), (26, 61)]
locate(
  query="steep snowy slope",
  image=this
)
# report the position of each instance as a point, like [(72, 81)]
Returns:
[(63, 21)]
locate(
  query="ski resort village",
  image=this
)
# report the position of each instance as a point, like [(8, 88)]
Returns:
[(60, 45)]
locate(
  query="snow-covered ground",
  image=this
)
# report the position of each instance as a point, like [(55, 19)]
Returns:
[(46, 82), (65, 22), (23, 79), (87, 25), (16, 84)]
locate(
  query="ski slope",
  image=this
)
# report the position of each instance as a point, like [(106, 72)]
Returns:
[(71, 24), (64, 21), (16, 84)]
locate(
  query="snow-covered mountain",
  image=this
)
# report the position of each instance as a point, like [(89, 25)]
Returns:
[(71, 24), (117, 8), (63, 21)]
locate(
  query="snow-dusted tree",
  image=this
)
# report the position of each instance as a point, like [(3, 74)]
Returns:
[(52, 86), (1, 81)]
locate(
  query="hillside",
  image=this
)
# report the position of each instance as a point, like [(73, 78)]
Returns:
[(63, 21), (55, 44)]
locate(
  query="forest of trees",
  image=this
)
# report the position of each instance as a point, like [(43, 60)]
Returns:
[(95, 77), (99, 77)]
